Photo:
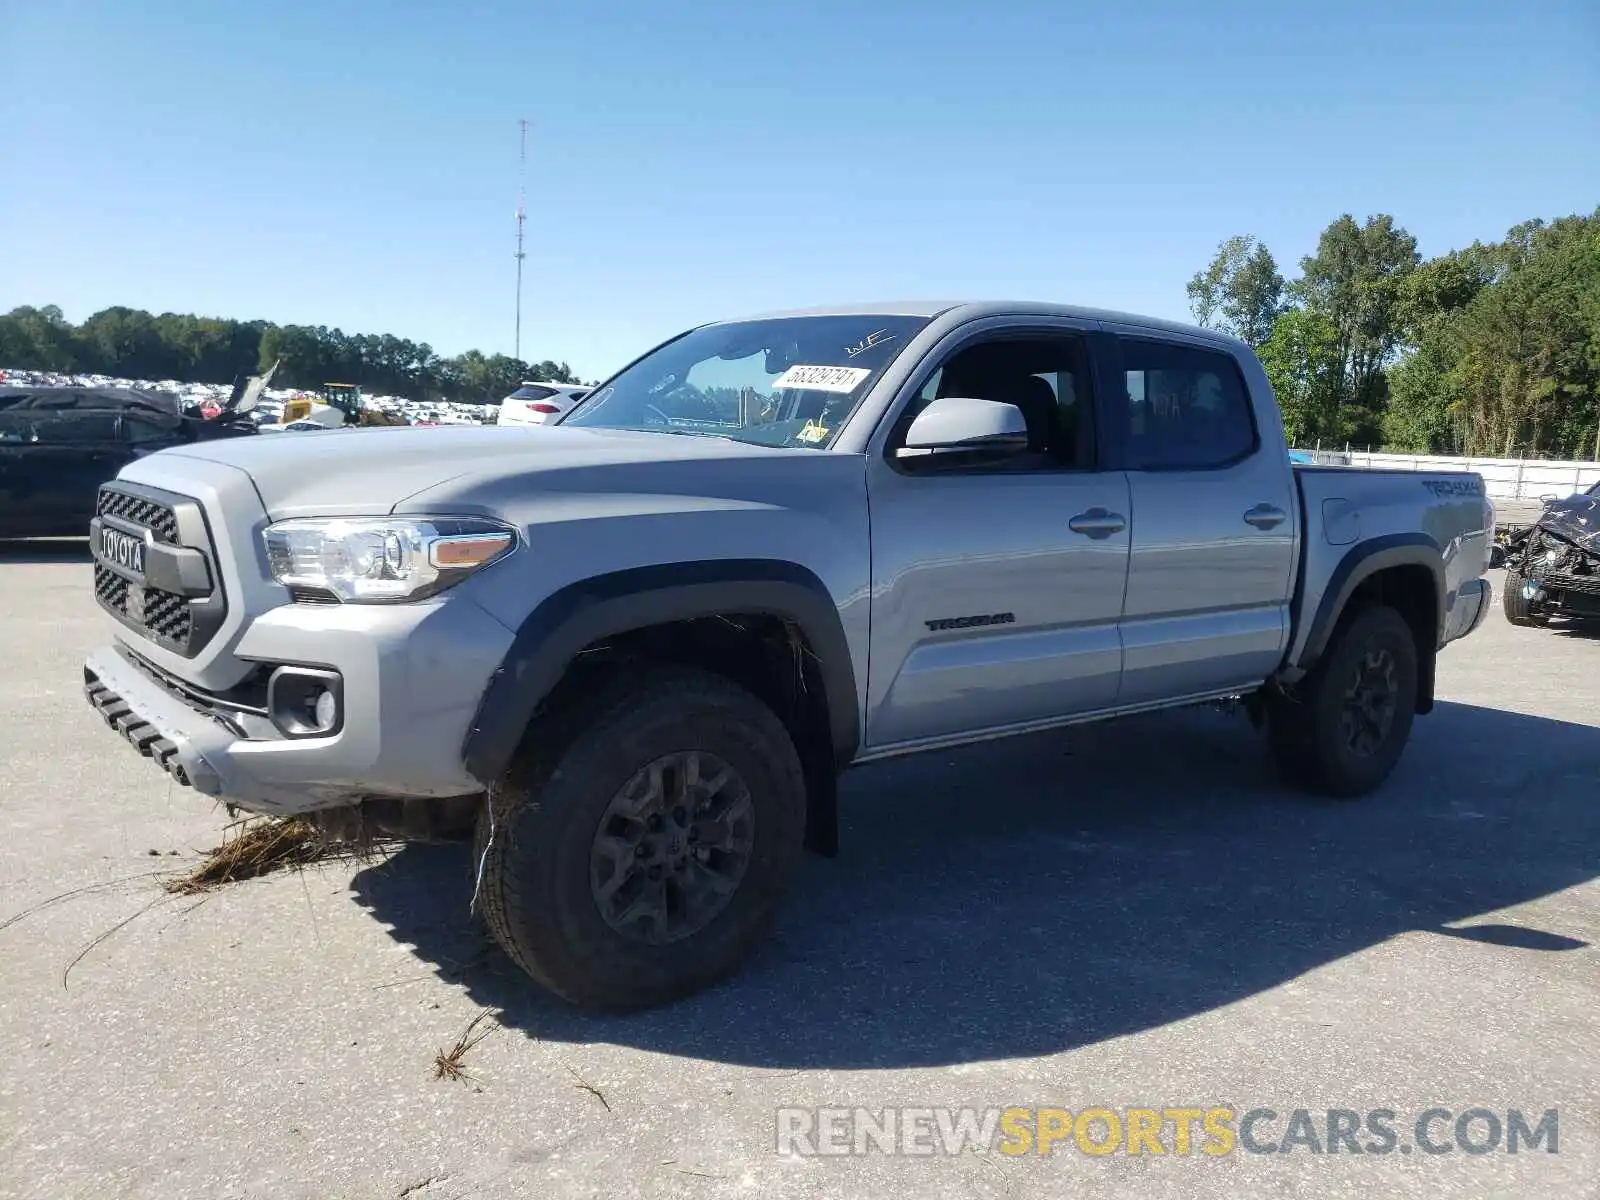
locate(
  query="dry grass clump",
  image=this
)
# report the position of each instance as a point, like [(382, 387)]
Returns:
[(447, 1064), (258, 846)]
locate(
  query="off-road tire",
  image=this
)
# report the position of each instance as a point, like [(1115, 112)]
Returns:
[(1305, 727), (1518, 611), (535, 835)]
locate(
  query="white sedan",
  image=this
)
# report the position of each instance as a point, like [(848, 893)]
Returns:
[(539, 403)]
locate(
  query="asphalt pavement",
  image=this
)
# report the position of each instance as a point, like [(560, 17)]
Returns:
[(1126, 917)]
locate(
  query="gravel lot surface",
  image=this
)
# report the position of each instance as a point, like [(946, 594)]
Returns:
[(1126, 916)]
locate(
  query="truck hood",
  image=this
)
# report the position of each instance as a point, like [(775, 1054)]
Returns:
[(1577, 519), (351, 472)]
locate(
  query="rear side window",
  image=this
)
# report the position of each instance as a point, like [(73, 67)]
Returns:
[(1186, 409), (75, 428)]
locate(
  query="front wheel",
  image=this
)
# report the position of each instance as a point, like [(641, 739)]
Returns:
[(1342, 730), (639, 849), (1517, 609)]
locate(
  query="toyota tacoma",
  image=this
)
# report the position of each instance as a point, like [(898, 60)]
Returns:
[(632, 651)]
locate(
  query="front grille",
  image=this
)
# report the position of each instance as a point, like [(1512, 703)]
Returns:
[(164, 618), (154, 516), (1565, 581), (111, 589), (167, 617), (180, 605)]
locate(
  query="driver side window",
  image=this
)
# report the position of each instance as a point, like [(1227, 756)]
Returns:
[(1046, 377)]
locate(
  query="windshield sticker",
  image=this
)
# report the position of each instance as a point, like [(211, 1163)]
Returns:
[(871, 340), (812, 432), (822, 379)]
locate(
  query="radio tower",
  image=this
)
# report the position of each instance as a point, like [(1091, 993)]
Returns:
[(522, 217)]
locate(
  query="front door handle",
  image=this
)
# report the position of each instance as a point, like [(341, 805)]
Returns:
[(1098, 523), (1265, 516)]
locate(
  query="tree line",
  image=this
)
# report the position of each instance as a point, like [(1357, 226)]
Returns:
[(1490, 350), (128, 343)]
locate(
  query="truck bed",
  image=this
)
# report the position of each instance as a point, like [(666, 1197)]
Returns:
[(1351, 513)]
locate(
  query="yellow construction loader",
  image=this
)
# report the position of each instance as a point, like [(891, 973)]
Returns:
[(336, 406)]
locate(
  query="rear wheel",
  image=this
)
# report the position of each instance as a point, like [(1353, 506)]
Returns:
[(639, 849), (1343, 729), (1518, 611)]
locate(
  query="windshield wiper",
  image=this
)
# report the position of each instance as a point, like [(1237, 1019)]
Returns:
[(680, 432)]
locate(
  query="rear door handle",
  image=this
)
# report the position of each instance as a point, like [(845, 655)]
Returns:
[(1265, 516), (1098, 523)]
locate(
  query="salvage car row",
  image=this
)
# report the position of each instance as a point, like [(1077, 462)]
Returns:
[(59, 441)]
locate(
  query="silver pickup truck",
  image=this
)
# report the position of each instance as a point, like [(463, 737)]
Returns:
[(633, 650)]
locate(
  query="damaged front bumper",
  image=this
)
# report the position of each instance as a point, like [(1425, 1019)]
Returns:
[(1559, 577), (401, 684)]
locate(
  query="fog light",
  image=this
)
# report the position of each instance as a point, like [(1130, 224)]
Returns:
[(327, 710), (306, 701), (1532, 592)]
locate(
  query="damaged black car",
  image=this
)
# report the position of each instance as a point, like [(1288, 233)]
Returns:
[(1553, 566), (59, 444)]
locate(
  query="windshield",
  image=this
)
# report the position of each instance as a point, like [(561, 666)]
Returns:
[(789, 381)]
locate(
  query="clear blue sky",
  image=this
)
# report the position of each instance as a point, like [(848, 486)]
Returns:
[(354, 164)]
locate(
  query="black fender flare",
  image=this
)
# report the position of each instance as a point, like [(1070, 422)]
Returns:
[(584, 612), (1361, 563)]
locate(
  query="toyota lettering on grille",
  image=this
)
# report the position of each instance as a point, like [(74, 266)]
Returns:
[(122, 550)]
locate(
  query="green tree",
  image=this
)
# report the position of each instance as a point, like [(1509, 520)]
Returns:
[(1301, 358), (1528, 347), (1354, 281), (1240, 292), (1426, 401), (41, 339)]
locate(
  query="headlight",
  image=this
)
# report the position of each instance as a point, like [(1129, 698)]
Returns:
[(383, 560)]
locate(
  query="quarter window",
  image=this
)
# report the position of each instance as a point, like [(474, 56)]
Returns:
[(139, 431)]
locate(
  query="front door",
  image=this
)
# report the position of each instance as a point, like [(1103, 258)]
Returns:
[(997, 588)]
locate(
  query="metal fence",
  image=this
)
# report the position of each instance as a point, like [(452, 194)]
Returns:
[(1503, 478)]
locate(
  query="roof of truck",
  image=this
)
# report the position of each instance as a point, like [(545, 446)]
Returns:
[(972, 309)]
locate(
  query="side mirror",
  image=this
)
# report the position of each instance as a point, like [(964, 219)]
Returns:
[(964, 425)]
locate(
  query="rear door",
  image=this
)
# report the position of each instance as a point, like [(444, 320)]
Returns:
[(76, 451), (996, 589), (17, 483), (1211, 559)]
